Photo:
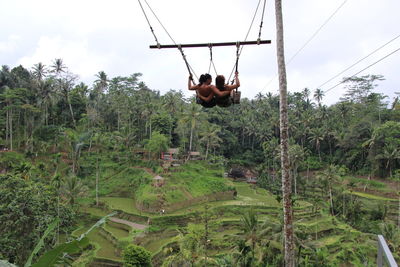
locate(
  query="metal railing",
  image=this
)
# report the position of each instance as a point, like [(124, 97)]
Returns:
[(384, 253)]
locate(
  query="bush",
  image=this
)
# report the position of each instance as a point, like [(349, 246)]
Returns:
[(312, 163), (136, 256)]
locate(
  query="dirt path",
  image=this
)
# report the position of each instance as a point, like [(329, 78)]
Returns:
[(129, 223)]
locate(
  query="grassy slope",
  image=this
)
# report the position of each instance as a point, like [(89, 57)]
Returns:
[(189, 181)]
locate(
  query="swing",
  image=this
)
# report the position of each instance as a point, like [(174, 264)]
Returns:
[(236, 94)]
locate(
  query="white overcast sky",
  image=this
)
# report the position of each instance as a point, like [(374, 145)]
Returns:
[(113, 36)]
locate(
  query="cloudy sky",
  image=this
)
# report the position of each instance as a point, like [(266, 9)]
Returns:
[(113, 36)]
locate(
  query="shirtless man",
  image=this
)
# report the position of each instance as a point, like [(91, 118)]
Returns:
[(206, 91)]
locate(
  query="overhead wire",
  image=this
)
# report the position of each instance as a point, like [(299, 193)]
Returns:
[(369, 66), (308, 41), (359, 61)]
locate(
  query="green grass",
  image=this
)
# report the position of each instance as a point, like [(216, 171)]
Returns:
[(104, 248), (372, 183), (117, 232), (117, 179), (155, 245), (121, 203), (249, 196), (200, 178), (374, 197), (97, 212), (191, 180)]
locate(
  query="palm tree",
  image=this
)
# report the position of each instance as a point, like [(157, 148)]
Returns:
[(390, 153), (172, 101), (39, 71), (253, 230), (296, 154), (189, 250), (57, 183), (289, 251), (58, 66), (192, 116), (316, 137), (318, 95), (46, 94), (65, 84), (73, 188), (210, 136), (329, 177), (102, 81)]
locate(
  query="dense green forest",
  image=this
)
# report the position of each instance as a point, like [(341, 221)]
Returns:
[(72, 153)]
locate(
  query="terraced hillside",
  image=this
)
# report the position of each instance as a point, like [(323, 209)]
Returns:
[(198, 185)]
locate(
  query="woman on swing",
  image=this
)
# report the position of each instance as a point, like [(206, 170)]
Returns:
[(209, 95)]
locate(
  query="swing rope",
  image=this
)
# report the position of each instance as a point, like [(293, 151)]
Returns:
[(148, 22), (248, 32), (190, 69), (237, 60), (239, 48), (211, 61), (261, 23)]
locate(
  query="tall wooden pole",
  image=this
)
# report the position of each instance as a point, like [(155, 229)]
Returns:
[(284, 125)]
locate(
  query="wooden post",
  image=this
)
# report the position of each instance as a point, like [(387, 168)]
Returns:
[(211, 44)]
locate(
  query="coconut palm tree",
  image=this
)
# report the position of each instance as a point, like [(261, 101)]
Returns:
[(329, 177), (296, 154), (289, 250), (253, 230), (192, 117), (39, 71), (318, 95), (210, 136), (102, 81), (316, 137), (58, 66), (46, 97), (57, 183), (390, 154), (65, 82), (72, 189)]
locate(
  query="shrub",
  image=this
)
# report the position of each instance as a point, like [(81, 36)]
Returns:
[(136, 256)]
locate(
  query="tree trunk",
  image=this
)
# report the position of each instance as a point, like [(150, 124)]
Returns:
[(289, 249), (208, 144), (319, 153), (10, 120), (97, 181), (70, 109), (58, 216), (331, 201), (295, 180), (344, 205), (7, 123), (118, 119), (191, 138), (150, 128)]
